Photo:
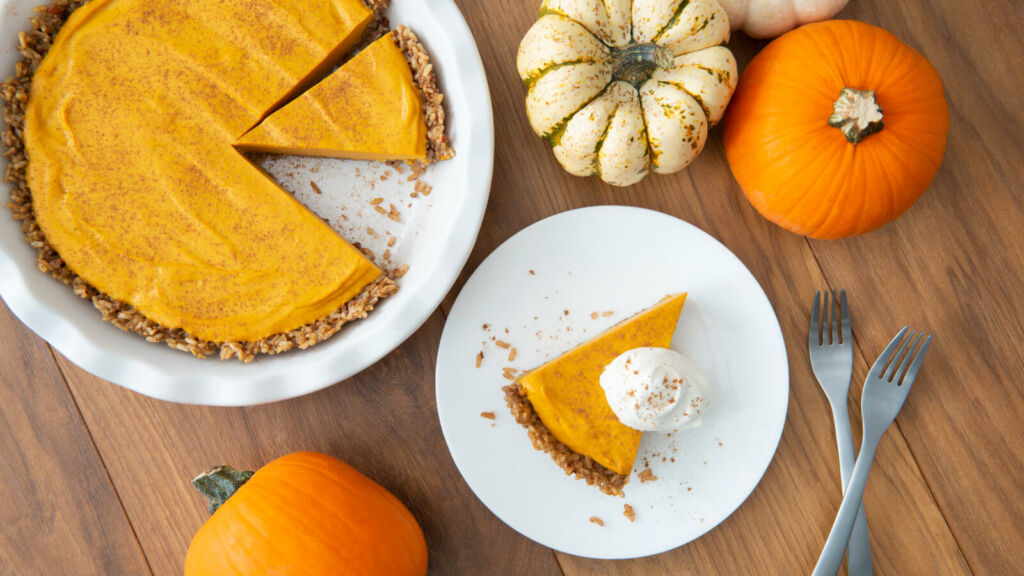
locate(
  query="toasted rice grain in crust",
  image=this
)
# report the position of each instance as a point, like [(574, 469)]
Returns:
[(583, 467), (14, 92)]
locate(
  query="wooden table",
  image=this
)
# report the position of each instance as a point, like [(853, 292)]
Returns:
[(94, 478)]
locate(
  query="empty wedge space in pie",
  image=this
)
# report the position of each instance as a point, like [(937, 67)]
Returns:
[(136, 190)]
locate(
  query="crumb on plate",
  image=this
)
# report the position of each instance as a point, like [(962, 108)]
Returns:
[(628, 512)]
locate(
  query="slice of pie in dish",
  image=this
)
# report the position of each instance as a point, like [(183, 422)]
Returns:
[(369, 109), (563, 407), (124, 117)]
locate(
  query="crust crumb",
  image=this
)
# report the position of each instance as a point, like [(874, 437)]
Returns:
[(399, 272), (596, 520)]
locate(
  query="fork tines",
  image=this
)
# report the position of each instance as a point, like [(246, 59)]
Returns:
[(902, 358), (833, 328)]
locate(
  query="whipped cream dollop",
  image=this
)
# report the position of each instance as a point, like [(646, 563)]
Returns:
[(655, 389)]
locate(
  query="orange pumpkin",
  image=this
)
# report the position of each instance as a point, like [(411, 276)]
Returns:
[(836, 128), (304, 513)]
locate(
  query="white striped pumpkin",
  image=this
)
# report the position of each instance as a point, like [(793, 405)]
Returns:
[(622, 88)]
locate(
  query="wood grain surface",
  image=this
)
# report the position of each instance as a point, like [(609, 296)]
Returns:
[(59, 510), (95, 479)]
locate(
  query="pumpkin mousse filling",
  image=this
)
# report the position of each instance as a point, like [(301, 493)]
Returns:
[(183, 240)]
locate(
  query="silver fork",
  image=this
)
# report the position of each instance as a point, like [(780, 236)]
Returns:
[(832, 361), (885, 390)]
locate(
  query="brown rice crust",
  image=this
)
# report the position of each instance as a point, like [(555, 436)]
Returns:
[(438, 148), (14, 92), (583, 467)]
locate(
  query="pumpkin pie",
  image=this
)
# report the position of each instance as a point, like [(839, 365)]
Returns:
[(133, 191), (563, 407)]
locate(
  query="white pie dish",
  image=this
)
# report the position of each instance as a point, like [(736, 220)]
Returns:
[(434, 238)]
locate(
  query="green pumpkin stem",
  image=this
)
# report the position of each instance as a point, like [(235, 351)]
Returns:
[(856, 114), (636, 63), (220, 483)]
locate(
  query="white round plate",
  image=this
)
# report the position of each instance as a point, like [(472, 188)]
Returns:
[(434, 238), (539, 292)]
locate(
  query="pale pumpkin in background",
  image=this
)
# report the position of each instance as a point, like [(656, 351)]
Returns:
[(836, 128), (622, 88), (305, 513), (769, 18)]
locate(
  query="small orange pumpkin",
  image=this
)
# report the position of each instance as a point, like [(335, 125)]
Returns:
[(836, 128), (304, 513)]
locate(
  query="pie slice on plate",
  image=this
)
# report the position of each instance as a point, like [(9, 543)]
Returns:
[(563, 407)]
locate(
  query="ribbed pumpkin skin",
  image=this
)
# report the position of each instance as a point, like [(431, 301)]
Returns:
[(311, 514), (803, 174)]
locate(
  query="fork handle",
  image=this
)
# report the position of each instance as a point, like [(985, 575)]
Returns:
[(858, 552), (832, 554)]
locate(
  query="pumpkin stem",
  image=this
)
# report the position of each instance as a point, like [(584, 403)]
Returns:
[(635, 63), (856, 114), (220, 483)]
